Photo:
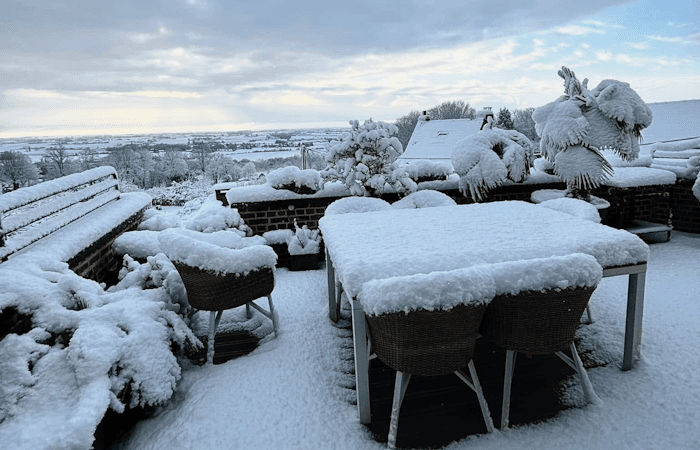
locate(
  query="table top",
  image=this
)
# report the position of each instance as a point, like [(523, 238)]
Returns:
[(384, 244)]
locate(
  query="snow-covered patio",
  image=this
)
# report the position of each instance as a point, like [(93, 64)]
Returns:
[(294, 391)]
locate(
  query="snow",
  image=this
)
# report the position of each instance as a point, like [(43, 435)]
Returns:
[(477, 284), (292, 175), (424, 199), (295, 391), (278, 236), (417, 168), (575, 207), (211, 257), (64, 243), (680, 157), (696, 188), (265, 192), (451, 237), (213, 216), (160, 222), (356, 205), (625, 177), (304, 241)]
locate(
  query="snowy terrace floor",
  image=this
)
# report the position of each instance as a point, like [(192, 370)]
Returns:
[(297, 390)]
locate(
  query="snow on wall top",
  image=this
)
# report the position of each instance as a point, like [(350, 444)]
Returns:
[(435, 139), (452, 237)]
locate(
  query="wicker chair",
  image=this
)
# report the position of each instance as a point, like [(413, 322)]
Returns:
[(537, 323), (218, 278), (429, 342)]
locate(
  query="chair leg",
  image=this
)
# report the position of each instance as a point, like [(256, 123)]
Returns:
[(474, 384), (272, 314), (589, 316), (508, 379), (400, 386), (248, 311), (588, 392), (214, 318)]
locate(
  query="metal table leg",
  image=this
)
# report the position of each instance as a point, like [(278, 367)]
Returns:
[(633, 325), (359, 336)]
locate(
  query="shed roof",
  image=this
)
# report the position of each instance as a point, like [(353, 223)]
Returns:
[(673, 121)]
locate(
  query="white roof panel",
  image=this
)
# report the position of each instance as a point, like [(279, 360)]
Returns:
[(435, 139)]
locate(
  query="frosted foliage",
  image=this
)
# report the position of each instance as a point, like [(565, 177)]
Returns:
[(292, 175), (364, 160), (87, 349), (304, 241), (575, 207), (356, 205), (432, 291), (696, 188), (424, 199), (210, 257), (584, 167), (611, 116), (490, 157), (213, 216)]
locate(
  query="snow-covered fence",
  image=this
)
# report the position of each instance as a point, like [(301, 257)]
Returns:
[(90, 202)]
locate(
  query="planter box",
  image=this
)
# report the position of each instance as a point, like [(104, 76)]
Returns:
[(304, 262)]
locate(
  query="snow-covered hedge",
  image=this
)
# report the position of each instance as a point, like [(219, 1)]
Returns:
[(364, 160), (293, 178), (422, 168), (178, 194), (89, 349)]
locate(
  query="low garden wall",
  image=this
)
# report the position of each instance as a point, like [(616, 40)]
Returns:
[(664, 204)]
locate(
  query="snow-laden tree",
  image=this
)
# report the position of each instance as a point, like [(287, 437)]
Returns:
[(577, 126), (16, 169), (504, 121), (364, 160), (488, 158)]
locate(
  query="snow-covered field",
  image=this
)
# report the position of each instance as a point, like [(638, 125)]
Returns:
[(292, 391)]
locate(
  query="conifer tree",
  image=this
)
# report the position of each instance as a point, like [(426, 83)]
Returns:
[(505, 121)]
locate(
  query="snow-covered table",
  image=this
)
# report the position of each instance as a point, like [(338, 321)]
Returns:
[(383, 244)]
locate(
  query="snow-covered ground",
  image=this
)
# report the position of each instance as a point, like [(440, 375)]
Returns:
[(293, 390)]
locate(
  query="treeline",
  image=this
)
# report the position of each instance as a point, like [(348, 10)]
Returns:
[(145, 166), (519, 120)]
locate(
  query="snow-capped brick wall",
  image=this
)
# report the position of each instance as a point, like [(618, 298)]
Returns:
[(99, 261)]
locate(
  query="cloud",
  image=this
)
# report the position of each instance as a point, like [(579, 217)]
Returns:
[(577, 30)]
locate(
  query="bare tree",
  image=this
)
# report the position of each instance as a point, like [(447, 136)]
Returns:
[(406, 125), (59, 158), (87, 158), (522, 122), (201, 154), (16, 168), (452, 110)]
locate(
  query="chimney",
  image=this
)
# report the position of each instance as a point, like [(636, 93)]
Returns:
[(425, 113)]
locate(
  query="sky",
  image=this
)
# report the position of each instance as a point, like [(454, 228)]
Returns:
[(104, 67)]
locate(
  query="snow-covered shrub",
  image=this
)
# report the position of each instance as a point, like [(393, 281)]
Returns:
[(424, 199), (304, 241), (577, 126), (213, 216), (488, 158), (425, 170), (89, 350), (696, 188), (294, 179), (178, 194), (364, 160)]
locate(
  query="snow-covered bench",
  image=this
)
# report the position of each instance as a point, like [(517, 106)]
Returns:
[(64, 217)]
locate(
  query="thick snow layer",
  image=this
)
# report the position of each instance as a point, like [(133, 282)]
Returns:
[(424, 199), (19, 197), (265, 192), (451, 237), (278, 236), (160, 222), (426, 168), (575, 207), (66, 242), (292, 175), (432, 291), (680, 157), (478, 284), (206, 256), (356, 205), (297, 391), (640, 176), (213, 216)]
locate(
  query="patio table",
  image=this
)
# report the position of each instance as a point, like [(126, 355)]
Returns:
[(375, 245)]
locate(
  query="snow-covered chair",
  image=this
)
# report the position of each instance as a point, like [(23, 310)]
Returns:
[(427, 324), (537, 309), (424, 199), (347, 205), (218, 278)]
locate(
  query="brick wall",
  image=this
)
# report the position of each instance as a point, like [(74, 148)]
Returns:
[(685, 208), (646, 203), (99, 262)]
